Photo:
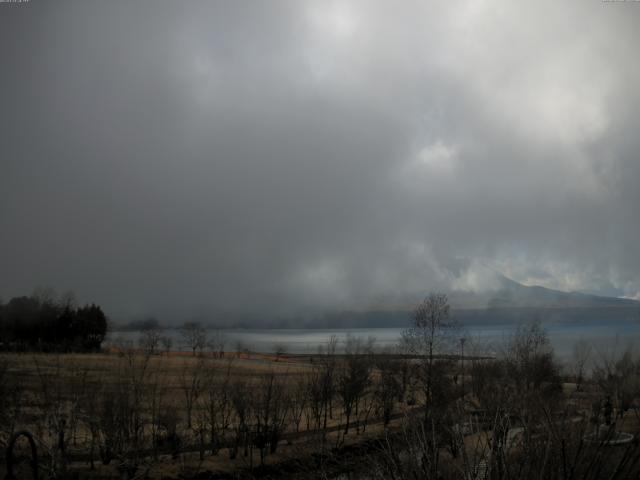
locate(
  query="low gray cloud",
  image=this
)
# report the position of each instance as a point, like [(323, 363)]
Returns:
[(264, 158)]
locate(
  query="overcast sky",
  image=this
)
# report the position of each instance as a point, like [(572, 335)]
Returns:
[(206, 158)]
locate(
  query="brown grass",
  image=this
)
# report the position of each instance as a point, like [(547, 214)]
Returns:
[(103, 371)]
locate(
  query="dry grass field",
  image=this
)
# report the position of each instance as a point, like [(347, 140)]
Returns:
[(217, 409)]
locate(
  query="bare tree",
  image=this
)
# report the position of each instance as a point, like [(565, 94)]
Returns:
[(279, 349), (387, 387), (121, 414), (328, 360), (12, 393), (217, 404), (298, 400), (315, 398), (241, 401), (194, 336), (217, 344), (529, 357), (353, 377), (580, 357), (241, 348), (56, 417), (433, 333), (191, 379), (156, 400), (269, 413), (167, 343), (90, 415), (618, 375), (150, 336)]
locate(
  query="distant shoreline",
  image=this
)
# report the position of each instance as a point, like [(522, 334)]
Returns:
[(401, 319)]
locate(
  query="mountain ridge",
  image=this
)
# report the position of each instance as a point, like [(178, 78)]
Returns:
[(507, 293)]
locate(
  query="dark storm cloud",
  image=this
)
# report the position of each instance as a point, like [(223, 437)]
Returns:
[(202, 158)]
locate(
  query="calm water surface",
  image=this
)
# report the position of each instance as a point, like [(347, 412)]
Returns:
[(605, 338)]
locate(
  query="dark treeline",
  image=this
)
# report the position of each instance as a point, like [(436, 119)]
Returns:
[(43, 322)]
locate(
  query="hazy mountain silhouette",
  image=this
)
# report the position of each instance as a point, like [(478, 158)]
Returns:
[(512, 294), (481, 295)]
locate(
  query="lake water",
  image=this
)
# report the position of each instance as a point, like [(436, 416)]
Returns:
[(605, 338)]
